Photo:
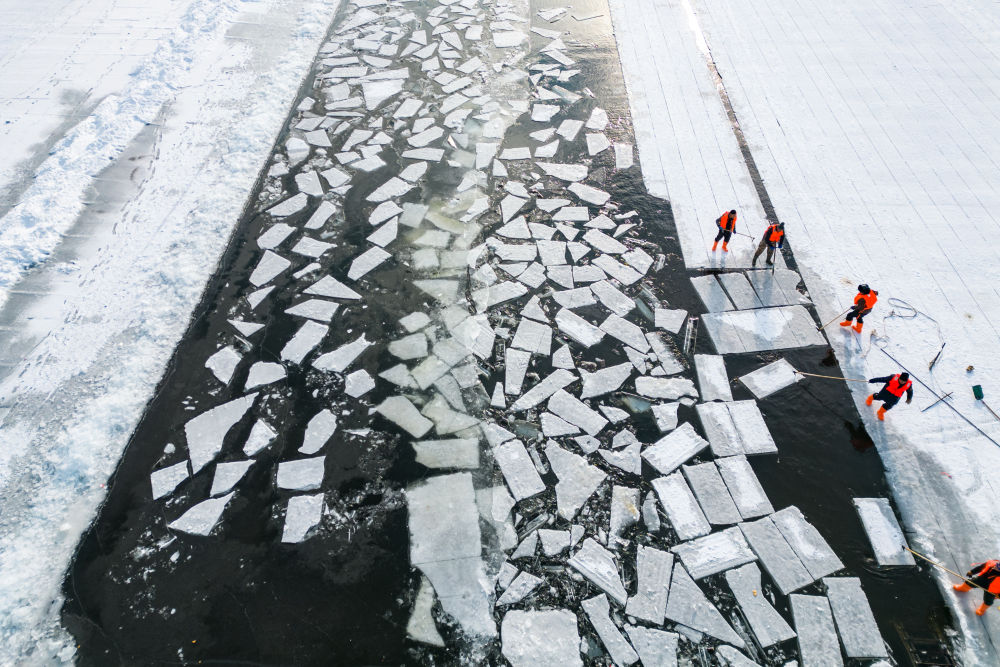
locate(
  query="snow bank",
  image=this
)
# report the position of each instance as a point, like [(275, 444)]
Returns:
[(221, 88)]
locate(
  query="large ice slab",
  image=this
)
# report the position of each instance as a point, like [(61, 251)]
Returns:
[(771, 378), (688, 606), (776, 555), (744, 487), (715, 552), (301, 474), (656, 648), (598, 609), (201, 519), (165, 480), (206, 432), (739, 290), (400, 411), (815, 554), (680, 506), (736, 428), (884, 533), (460, 453), (449, 552), (712, 494), (532, 638), (713, 381), (270, 265), (578, 480), (575, 411), (738, 331), (712, 294), (223, 363), (818, 646), (550, 385), (421, 626), (598, 565), (673, 449), (577, 328), (653, 569), (518, 470), (859, 633), (302, 515), (777, 288), (667, 389), (302, 343), (767, 625), (606, 380)]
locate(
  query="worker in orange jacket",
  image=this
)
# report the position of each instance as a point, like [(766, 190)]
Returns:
[(773, 239), (895, 386), (727, 225), (987, 576), (863, 304)]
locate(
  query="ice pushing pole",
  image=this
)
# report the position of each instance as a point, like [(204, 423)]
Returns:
[(939, 565), (934, 393), (829, 377), (833, 320)]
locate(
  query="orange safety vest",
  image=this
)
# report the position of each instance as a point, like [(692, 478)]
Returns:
[(727, 222), (897, 389), (869, 299), (774, 234)]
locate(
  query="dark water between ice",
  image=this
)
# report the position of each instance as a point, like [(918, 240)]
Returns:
[(343, 597)]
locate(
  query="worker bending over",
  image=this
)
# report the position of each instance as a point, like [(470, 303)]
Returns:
[(774, 237), (987, 576), (863, 304), (890, 394), (727, 225)]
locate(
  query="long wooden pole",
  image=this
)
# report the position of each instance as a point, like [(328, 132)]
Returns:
[(939, 565), (833, 320), (830, 377)]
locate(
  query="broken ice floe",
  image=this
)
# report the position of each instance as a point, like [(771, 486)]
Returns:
[(735, 428), (767, 625), (817, 636), (714, 553), (548, 637), (688, 606), (206, 432), (770, 378), (884, 533), (597, 609), (201, 519), (302, 515), (597, 564), (853, 616)]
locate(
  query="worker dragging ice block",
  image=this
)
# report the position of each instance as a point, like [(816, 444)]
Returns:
[(891, 392), (863, 304)]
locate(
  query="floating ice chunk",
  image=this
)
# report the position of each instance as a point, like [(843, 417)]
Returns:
[(520, 588), (394, 187), (564, 172), (510, 206), (548, 150), (367, 261), (573, 214), (518, 470), (508, 38), (626, 332), (669, 320), (574, 411), (574, 298), (597, 143), (367, 165), (519, 153), (612, 298), (408, 108), (289, 206), (714, 553), (310, 247), (713, 381), (614, 415), (377, 92), (246, 329), (485, 153), (681, 508), (532, 638), (853, 615), (223, 363), (735, 428), (744, 487), (569, 129), (426, 137), (767, 624), (302, 515), (319, 430), (261, 435), (274, 235), (302, 343), (206, 432), (673, 449), (332, 288), (597, 609), (454, 453), (165, 480), (268, 268), (712, 494), (533, 309), (554, 542), (688, 606), (533, 337), (603, 242), (385, 234), (336, 178), (883, 531), (549, 205), (541, 391), (421, 625), (598, 119), (561, 275), (228, 475), (578, 480), (770, 378), (817, 636), (624, 510), (623, 274), (589, 194), (815, 554), (415, 321), (776, 555), (653, 573), (527, 547), (308, 182), (655, 647), (409, 347), (605, 380), (493, 295), (201, 519), (551, 252), (562, 358), (400, 376), (302, 474), (414, 172), (598, 565), (298, 150), (623, 156), (445, 291), (515, 367), (543, 113), (665, 388), (498, 400), (577, 328), (339, 360)]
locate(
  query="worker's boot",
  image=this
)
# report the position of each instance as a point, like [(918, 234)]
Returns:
[(963, 587), (845, 323), (858, 326), (725, 246), (981, 609), (715, 245), (881, 414), (868, 401)]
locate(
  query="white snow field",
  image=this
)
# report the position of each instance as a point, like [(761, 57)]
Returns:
[(874, 125), (100, 268)]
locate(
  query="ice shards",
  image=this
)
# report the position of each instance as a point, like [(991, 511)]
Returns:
[(264, 373), (332, 288), (421, 625), (519, 588), (340, 359), (206, 432), (883, 531), (578, 480), (302, 515)]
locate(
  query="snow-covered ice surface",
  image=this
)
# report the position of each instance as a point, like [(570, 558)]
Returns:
[(185, 100)]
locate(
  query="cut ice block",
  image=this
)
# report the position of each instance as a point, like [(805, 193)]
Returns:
[(302, 515), (712, 494), (653, 569), (669, 389), (762, 329), (777, 288), (400, 411), (776, 555), (714, 553), (578, 480), (688, 606), (744, 487), (574, 411), (223, 363), (206, 432), (518, 470), (815, 554), (739, 290), (532, 638), (551, 384), (767, 625), (673, 449), (682, 510), (201, 519), (340, 359), (165, 480), (598, 609), (883, 531), (268, 268), (656, 648), (228, 475), (520, 588), (302, 343), (421, 625), (712, 294), (859, 633), (319, 430), (669, 320), (713, 381), (818, 646), (735, 428), (605, 380), (770, 378), (302, 474), (598, 565)]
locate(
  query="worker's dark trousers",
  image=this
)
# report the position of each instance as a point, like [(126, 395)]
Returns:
[(760, 249), (858, 313), (888, 400), (985, 582), (723, 234)]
